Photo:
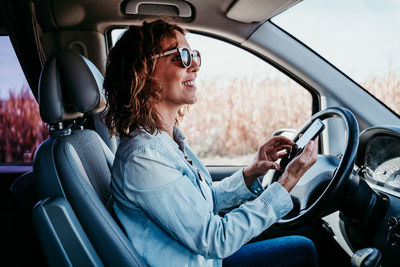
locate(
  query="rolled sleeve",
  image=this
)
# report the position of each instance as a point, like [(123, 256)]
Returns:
[(279, 199), (231, 191)]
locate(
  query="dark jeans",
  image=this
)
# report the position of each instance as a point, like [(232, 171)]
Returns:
[(283, 251)]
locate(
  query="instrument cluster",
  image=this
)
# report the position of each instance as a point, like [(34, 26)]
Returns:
[(380, 157)]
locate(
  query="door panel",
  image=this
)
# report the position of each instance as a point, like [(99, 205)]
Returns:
[(220, 172), (18, 234)]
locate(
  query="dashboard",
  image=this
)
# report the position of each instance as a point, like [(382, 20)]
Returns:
[(378, 157), (378, 163)]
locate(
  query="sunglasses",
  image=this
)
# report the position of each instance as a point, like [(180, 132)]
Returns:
[(185, 55)]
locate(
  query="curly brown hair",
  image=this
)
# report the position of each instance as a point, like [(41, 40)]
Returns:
[(130, 91)]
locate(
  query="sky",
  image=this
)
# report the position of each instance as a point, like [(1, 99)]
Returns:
[(360, 37), (11, 74)]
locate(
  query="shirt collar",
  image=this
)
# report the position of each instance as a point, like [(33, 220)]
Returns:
[(176, 142)]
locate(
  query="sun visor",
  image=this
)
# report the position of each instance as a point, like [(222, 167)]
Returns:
[(174, 8), (248, 11)]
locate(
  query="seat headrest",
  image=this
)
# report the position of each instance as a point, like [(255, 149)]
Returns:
[(69, 87)]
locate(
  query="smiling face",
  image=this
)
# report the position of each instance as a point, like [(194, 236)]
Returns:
[(178, 83)]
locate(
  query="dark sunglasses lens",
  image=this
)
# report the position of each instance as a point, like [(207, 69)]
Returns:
[(185, 57)]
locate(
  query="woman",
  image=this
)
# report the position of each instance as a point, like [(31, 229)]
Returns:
[(165, 198)]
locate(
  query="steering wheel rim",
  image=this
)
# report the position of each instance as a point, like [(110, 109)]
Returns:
[(342, 172)]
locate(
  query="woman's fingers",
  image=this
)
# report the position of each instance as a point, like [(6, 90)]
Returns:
[(312, 151), (266, 165), (269, 148), (306, 159), (281, 154), (273, 149), (278, 140), (316, 145), (298, 167)]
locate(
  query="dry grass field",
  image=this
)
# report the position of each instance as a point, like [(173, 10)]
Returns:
[(231, 121), (386, 88)]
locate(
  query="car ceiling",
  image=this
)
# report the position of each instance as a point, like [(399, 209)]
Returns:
[(216, 15), (37, 28)]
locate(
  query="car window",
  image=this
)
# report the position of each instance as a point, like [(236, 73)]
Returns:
[(359, 37), (241, 101), (21, 128)]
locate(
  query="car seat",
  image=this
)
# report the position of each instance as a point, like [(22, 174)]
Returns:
[(72, 170)]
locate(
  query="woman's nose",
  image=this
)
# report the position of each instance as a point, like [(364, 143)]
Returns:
[(194, 67)]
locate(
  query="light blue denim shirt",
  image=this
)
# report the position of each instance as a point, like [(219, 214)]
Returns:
[(170, 219)]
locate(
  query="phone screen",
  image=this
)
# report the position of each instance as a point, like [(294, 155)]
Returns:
[(311, 133)]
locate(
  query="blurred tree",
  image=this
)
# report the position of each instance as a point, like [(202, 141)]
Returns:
[(21, 128)]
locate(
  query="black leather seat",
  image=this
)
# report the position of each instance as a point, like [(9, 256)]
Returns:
[(72, 171)]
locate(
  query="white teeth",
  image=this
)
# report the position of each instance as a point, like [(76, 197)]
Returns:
[(189, 83)]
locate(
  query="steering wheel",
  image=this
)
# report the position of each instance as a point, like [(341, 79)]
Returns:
[(324, 183)]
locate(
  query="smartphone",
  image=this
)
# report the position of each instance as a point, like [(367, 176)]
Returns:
[(310, 134)]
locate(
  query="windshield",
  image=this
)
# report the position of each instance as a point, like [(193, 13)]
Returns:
[(359, 37)]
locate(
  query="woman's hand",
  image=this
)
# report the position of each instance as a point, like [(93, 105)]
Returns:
[(299, 165), (267, 154)]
